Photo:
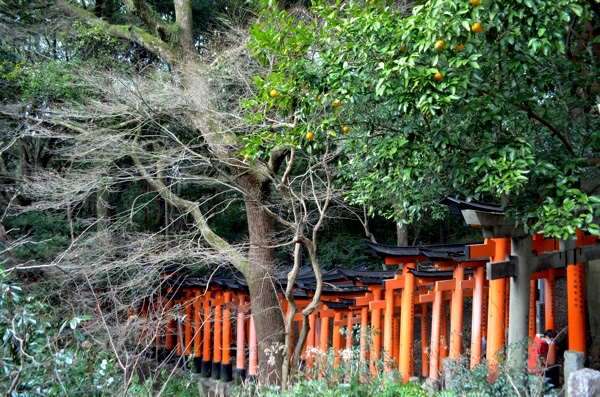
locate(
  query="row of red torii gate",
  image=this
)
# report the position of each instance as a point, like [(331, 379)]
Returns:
[(208, 319)]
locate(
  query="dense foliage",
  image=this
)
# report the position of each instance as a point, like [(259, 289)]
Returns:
[(480, 99)]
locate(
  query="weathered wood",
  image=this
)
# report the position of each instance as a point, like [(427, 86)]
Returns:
[(586, 254), (501, 269), (553, 260)]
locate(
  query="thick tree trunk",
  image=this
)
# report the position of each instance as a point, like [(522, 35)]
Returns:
[(401, 231), (262, 284), (401, 235), (183, 15)]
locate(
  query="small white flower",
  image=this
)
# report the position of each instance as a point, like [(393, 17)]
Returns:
[(346, 354)]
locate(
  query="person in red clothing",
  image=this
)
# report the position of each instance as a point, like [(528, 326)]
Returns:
[(536, 364), (538, 352)]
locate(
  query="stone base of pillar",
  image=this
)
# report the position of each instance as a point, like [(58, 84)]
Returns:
[(215, 371), (573, 362), (226, 372), (239, 375), (197, 365), (205, 368)]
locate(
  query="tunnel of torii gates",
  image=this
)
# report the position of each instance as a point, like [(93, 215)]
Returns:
[(208, 319)]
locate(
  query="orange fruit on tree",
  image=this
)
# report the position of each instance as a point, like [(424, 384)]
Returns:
[(307, 86), (274, 94), (439, 45), (403, 48), (336, 104), (346, 129), (460, 47), (309, 136), (438, 76), (318, 98), (477, 27), (475, 3)]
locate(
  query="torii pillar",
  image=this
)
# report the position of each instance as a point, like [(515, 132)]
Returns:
[(407, 322), (497, 226)]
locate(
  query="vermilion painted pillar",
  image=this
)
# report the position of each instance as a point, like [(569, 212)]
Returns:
[(337, 336), (218, 337), (424, 338), (387, 329), (496, 306), (576, 303), (349, 330), (434, 352), (376, 330), (477, 317), (550, 311), (240, 361), (253, 351), (310, 339), (206, 365), (396, 339), (456, 314), (197, 331), (444, 345), (364, 323), (324, 342), (407, 323), (188, 324), (226, 366), (484, 315), (170, 328), (532, 308), (159, 337)]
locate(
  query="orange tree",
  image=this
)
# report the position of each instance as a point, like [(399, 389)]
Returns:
[(480, 99)]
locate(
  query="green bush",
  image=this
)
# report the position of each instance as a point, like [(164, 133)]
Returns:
[(45, 357)]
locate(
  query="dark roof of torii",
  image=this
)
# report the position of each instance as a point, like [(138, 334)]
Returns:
[(457, 205), (441, 252)]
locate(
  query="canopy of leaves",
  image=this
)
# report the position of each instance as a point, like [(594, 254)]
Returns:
[(442, 97)]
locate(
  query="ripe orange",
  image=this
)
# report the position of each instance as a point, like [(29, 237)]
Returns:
[(309, 136), (274, 94), (475, 3), (439, 45), (460, 47), (346, 129), (336, 104), (477, 27), (438, 76)]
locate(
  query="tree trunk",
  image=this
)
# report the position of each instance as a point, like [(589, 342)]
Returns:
[(401, 231), (183, 15), (262, 284), (401, 235)]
